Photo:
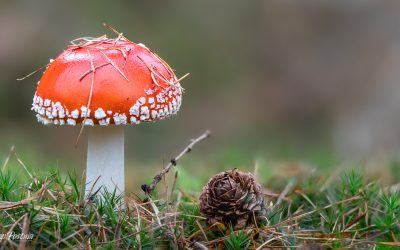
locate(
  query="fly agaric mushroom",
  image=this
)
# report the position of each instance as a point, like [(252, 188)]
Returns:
[(106, 83)]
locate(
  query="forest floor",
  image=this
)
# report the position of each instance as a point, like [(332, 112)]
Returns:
[(307, 210)]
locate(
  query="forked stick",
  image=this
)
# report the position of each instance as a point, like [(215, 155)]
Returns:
[(148, 189)]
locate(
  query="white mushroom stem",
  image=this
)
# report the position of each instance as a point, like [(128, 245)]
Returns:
[(105, 159)]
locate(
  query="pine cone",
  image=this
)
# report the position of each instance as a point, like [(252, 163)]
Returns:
[(233, 197)]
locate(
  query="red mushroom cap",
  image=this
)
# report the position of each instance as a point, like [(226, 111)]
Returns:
[(129, 84)]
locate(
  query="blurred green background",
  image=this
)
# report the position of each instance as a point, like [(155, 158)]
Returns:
[(276, 81)]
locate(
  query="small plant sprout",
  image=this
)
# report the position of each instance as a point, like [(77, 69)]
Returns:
[(105, 84), (237, 240)]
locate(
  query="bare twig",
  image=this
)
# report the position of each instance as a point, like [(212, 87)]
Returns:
[(148, 189)]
